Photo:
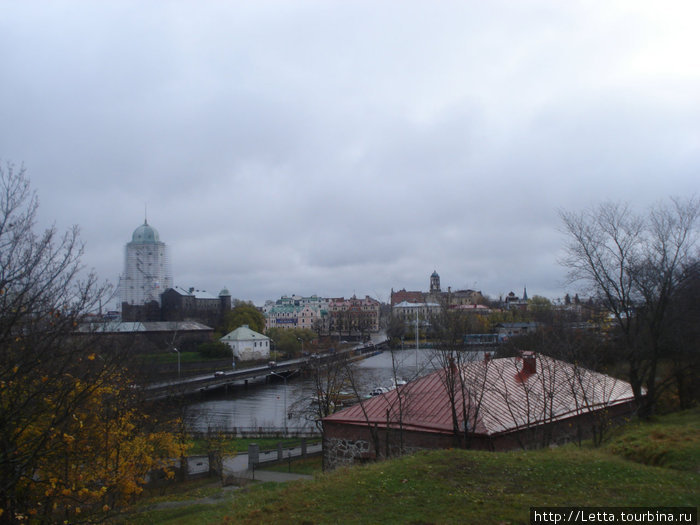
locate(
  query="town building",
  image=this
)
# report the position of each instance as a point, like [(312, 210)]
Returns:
[(247, 345), (409, 312), (149, 336), (405, 296), (147, 271), (178, 304), (507, 330), (492, 404), (354, 316), (297, 312)]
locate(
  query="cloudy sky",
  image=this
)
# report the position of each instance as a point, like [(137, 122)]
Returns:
[(336, 147)]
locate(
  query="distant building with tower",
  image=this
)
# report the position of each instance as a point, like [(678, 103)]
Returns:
[(147, 272), (146, 286), (435, 295)]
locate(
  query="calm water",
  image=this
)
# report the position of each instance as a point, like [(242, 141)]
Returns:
[(263, 404)]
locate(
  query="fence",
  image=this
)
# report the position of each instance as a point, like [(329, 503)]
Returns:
[(238, 465), (258, 457), (261, 432)]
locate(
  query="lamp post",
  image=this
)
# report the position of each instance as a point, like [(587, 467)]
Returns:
[(416, 340), (302, 344), (178, 361), (285, 398)]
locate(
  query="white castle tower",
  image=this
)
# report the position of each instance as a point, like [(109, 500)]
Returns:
[(147, 272)]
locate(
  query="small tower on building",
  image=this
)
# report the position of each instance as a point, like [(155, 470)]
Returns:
[(435, 283)]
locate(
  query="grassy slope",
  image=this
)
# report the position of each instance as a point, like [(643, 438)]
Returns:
[(457, 486)]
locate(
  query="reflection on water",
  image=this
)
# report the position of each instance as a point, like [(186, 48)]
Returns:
[(263, 404)]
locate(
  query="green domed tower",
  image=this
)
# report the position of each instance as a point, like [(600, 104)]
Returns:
[(147, 272)]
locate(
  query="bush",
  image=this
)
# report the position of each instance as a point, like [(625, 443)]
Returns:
[(214, 349)]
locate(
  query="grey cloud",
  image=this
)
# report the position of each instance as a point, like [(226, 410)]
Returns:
[(324, 148)]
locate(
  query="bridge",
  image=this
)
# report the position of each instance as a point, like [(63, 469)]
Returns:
[(222, 379)]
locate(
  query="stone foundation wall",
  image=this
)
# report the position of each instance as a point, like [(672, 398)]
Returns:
[(338, 452)]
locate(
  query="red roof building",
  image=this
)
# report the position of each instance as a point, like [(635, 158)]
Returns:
[(404, 296), (494, 404)]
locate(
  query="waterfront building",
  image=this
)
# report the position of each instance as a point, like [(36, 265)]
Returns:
[(247, 344), (408, 312), (354, 316), (297, 312)]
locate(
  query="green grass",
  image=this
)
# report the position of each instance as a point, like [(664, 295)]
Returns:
[(184, 491), (646, 464), (171, 357), (199, 446), (308, 466), (670, 441)]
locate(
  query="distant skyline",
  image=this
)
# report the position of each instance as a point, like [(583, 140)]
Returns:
[(332, 148)]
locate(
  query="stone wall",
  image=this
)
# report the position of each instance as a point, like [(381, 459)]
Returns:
[(349, 444), (338, 452)]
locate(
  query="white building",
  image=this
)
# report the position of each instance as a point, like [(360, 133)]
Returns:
[(409, 312), (246, 344), (147, 271)]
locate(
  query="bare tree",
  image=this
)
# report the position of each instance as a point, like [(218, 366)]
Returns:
[(331, 385), (633, 264), (464, 384)]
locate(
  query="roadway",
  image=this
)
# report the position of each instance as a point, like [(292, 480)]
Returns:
[(220, 379)]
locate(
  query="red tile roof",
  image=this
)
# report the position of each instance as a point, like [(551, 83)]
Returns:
[(500, 392)]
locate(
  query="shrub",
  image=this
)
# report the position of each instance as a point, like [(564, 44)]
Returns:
[(214, 349)]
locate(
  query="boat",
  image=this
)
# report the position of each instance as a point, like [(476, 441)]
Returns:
[(339, 398), (378, 391)]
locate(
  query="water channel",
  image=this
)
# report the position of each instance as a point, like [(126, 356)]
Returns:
[(264, 404)]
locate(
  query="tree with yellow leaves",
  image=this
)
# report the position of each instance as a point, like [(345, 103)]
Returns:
[(72, 440)]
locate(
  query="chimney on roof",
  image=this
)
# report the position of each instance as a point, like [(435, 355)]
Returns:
[(529, 363), (487, 357), (453, 366)]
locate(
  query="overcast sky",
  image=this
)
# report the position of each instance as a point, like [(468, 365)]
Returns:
[(348, 147)]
